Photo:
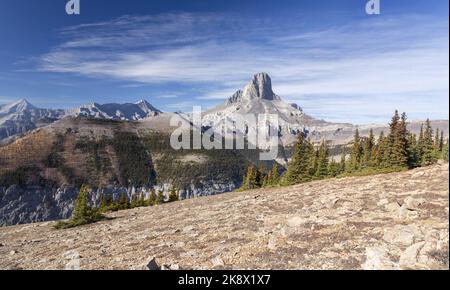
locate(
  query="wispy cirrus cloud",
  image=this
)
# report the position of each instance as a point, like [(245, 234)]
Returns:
[(354, 63)]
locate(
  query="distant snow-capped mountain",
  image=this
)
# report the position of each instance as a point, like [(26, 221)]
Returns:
[(258, 98), (121, 112), (21, 116)]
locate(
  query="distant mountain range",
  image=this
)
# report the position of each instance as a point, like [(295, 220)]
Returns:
[(257, 97), (21, 117)]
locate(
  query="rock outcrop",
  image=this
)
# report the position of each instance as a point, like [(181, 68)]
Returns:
[(348, 223)]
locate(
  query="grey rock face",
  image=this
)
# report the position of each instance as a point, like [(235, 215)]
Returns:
[(34, 204), (260, 87)]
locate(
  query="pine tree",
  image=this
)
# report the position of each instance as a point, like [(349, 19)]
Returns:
[(393, 125), (124, 202), (322, 161), (369, 144), (378, 151), (399, 138), (82, 212), (314, 158), (428, 156), (445, 150), (141, 199), (274, 175), (356, 153), (441, 142), (103, 205), (259, 179), (333, 168), (437, 139), (152, 198), (342, 163), (160, 198), (413, 154), (298, 169), (173, 195), (420, 145)]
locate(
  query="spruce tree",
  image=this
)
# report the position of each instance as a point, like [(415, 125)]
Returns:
[(173, 195), (399, 146), (356, 153), (141, 199), (274, 175), (333, 168), (298, 169), (413, 153), (124, 202), (369, 144), (445, 152), (428, 155), (313, 154), (420, 145), (437, 139), (160, 199), (322, 161), (152, 198), (441, 142), (342, 163), (103, 205), (82, 212)]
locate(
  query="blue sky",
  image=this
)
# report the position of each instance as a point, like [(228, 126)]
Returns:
[(328, 56)]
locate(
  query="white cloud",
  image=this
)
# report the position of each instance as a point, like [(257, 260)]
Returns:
[(365, 61)]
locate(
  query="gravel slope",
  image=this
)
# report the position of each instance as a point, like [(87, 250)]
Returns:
[(394, 221)]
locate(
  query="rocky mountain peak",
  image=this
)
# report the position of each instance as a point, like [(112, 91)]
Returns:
[(147, 107), (17, 107), (260, 87)]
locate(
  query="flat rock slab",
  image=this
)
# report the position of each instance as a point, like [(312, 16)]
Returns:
[(392, 221)]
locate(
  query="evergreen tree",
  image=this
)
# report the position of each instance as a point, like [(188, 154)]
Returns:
[(322, 161), (103, 205), (134, 202), (445, 152), (152, 198), (356, 153), (333, 168), (393, 126), (368, 148), (420, 145), (399, 138), (259, 179), (252, 179), (428, 156), (413, 154), (142, 200), (160, 198), (124, 202), (173, 195), (274, 175), (82, 212), (441, 142), (342, 163), (298, 169), (314, 158)]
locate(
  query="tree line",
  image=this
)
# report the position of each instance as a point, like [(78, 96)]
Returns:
[(399, 150), (84, 214)]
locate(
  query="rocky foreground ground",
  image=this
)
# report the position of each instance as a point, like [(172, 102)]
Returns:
[(393, 221)]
